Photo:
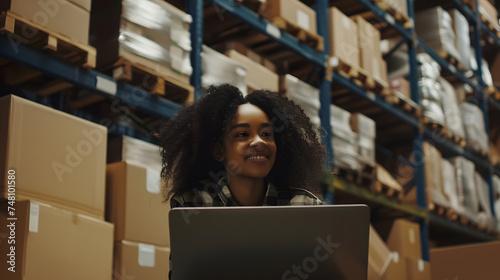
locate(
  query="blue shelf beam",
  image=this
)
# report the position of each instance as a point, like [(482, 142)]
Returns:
[(195, 9), (458, 228), (87, 79), (259, 23)]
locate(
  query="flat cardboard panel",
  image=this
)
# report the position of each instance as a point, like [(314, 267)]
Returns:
[(258, 76), (404, 238), (61, 16), (343, 37), (139, 215), (369, 45), (293, 11), (58, 158), (466, 262), (126, 262), (67, 245)]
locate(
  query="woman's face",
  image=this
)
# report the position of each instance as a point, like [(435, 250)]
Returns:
[(248, 148)]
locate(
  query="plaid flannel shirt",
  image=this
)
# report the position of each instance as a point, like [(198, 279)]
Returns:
[(220, 195)]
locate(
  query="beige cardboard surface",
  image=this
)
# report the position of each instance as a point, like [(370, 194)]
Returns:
[(343, 37), (396, 269), (369, 46), (258, 76), (51, 243), (293, 11), (141, 261), (417, 269), (466, 262), (58, 158), (135, 204), (61, 16), (379, 256), (402, 85), (404, 238)]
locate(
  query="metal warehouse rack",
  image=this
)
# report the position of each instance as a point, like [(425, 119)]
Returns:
[(96, 82)]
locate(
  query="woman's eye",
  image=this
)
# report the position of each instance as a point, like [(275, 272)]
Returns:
[(241, 134), (268, 134)]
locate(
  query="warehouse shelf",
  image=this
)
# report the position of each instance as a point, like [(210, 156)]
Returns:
[(494, 103), (449, 229), (337, 184), (269, 29), (490, 34), (376, 99), (87, 79), (389, 19), (446, 65)]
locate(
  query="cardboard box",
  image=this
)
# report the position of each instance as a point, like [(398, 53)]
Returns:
[(363, 125), (61, 16), (134, 260), (293, 11), (396, 270), (135, 204), (58, 158), (404, 238), (418, 269), (258, 76), (369, 46), (239, 47), (401, 85), (379, 256), (489, 11), (466, 262), (343, 37), (55, 244)]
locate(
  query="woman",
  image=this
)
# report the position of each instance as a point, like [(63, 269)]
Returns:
[(231, 150)]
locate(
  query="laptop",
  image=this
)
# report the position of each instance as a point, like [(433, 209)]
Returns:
[(270, 242)]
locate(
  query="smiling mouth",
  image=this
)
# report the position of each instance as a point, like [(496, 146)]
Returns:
[(257, 158)]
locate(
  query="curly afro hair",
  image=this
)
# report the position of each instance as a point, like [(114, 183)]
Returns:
[(187, 139)]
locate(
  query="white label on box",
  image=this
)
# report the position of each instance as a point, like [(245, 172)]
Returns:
[(346, 22), (273, 30), (333, 61), (240, 71), (303, 20), (153, 181), (34, 216), (390, 19), (411, 232), (395, 257), (146, 256), (421, 265), (105, 85)]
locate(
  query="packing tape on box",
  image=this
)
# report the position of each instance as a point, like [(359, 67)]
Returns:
[(34, 217), (153, 181), (146, 257), (303, 20), (420, 265)]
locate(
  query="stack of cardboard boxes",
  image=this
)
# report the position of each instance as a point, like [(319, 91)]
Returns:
[(344, 140), (58, 223), (134, 203)]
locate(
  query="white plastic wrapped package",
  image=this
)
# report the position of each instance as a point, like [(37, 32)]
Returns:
[(475, 131), (161, 16), (433, 112), (304, 95), (340, 122), (428, 67), (429, 89), (451, 188), (471, 203), (345, 152), (487, 79), (366, 149), (219, 69), (466, 56), (434, 27), (452, 114), (483, 193)]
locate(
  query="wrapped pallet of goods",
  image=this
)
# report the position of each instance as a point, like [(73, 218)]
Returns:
[(485, 217), (452, 190), (430, 89), (158, 31), (344, 140), (463, 44), (451, 110), (304, 95), (366, 131), (475, 131), (434, 26), (466, 181), (219, 69)]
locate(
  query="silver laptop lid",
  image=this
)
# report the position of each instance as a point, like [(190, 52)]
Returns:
[(288, 242)]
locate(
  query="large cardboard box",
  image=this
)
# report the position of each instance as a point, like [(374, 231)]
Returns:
[(134, 260), (379, 256), (466, 262), (489, 11), (418, 269), (55, 244), (293, 11), (258, 76), (58, 158), (370, 56), (396, 270), (135, 204), (343, 37), (404, 238), (62, 16)]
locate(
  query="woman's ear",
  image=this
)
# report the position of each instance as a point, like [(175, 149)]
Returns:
[(217, 151)]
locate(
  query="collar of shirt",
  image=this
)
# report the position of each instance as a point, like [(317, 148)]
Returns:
[(227, 198)]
